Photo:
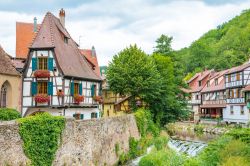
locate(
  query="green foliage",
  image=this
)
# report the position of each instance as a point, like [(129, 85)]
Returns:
[(132, 72), (243, 134), (160, 142), (163, 45), (9, 114), (117, 149), (235, 161), (164, 157), (40, 135), (220, 48), (145, 123), (199, 128)]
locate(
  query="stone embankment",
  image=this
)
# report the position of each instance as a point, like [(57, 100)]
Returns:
[(206, 128), (85, 142)]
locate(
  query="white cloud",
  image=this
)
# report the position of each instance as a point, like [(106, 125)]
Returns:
[(110, 27)]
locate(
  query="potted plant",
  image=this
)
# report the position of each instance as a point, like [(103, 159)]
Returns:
[(60, 93), (78, 98), (42, 74), (97, 98), (42, 98)]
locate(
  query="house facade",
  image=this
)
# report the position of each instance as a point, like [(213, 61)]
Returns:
[(10, 83), (224, 97), (196, 84), (56, 77), (236, 80), (213, 98)]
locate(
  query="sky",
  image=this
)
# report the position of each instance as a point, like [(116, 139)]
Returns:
[(112, 25)]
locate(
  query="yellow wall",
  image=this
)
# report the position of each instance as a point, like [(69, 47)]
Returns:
[(111, 109), (13, 91)]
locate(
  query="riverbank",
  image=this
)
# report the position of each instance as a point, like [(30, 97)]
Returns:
[(230, 149)]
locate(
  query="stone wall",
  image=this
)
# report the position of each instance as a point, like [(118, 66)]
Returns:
[(92, 142), (11, 151)]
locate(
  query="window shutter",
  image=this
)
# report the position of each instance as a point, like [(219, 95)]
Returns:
[(34, 64), (80, 89), (74, 115), (34, 88), (100, 89), (92, 90), (72, 88), (50, 64), (50, 88), (82, 116)]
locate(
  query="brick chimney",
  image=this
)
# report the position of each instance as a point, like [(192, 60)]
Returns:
[(35, 25), (62, 17)]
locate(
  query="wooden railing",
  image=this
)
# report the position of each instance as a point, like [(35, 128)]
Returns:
[(221, 101)]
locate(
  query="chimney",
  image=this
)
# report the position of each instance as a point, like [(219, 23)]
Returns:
[(35, 25), (62, 17), (93, 53)]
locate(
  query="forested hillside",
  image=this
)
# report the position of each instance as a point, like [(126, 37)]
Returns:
[(224, 47)]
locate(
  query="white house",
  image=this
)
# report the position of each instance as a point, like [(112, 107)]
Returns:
[(57, 77), (236, 80)]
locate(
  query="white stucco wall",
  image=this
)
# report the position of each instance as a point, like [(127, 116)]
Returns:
[(236, 116)]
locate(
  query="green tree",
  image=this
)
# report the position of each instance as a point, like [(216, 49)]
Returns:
[(163, 45), (132, 72)]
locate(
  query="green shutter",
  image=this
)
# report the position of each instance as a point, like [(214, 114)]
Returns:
[(72, 88), (34, 88), (50, 88), (50, 64), (80, 89), (82, 116), (34, 64), (92, 90)]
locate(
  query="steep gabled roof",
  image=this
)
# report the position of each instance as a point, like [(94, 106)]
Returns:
[(92, 59), (24, 36), (6, 66), (68, 56)]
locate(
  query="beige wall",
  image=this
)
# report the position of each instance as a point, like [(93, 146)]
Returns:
[(13, 91)]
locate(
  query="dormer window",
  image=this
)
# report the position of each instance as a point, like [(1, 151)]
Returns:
[(199, 83), (66, 40), (216, 81), (208, 83)]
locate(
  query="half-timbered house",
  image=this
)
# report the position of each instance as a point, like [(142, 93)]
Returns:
[(235, 81), (213, 98), (56, 77)]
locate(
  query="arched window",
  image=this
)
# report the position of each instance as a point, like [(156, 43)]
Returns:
[(3, 97)]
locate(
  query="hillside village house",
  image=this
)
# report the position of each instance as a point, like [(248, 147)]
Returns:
[(225, 96), (57, 78), (196, 83), (10, 83)]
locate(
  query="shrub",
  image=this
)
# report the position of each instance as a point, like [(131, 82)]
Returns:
[(165, 157), (236, 160), (40, 134), (160, 142), (145, 123), (198, 128), (241, 133), (9, 114)]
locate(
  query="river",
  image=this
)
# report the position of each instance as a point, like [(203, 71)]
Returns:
[(185, 141)]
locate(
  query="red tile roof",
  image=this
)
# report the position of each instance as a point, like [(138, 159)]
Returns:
[(6, 66), (24, 37), (239, 68), (203, 77), (70, 60), (91, 58), (221, 82)]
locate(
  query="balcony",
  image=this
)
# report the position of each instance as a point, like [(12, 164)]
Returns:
[(213, 102), (193, 102), (236, 100), (234, 84)]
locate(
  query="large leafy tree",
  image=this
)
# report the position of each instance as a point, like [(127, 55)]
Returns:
[(163, 45), (132, 72)]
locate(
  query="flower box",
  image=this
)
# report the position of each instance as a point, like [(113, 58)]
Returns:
[(60, 93), (42, 74), (97, 98), (42, 98), (78, 99)]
